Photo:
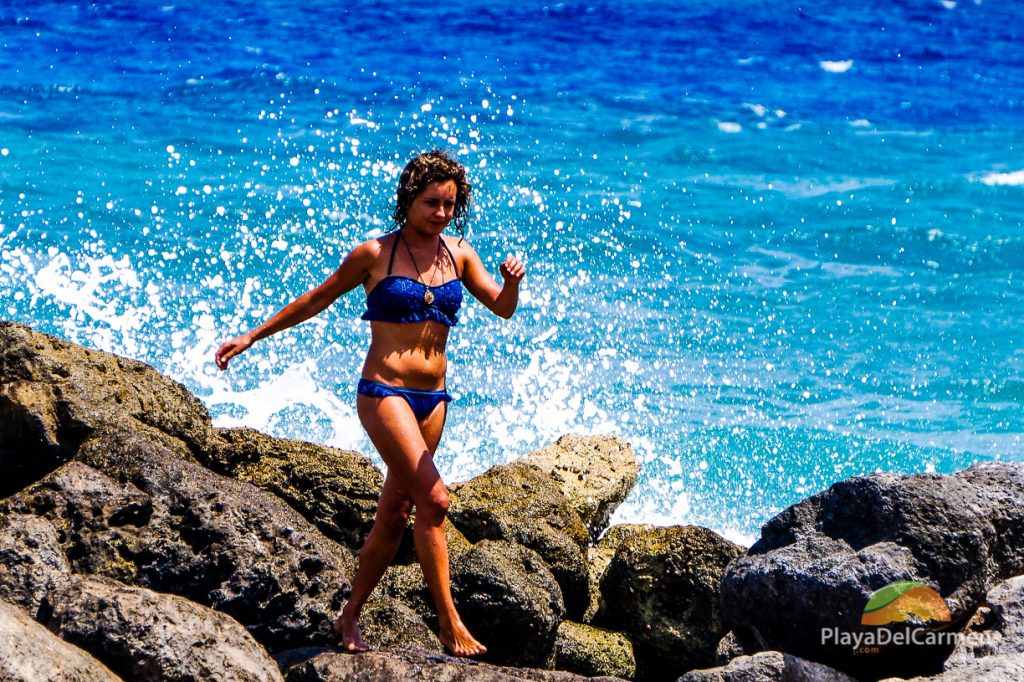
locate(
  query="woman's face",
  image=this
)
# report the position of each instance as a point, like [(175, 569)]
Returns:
[(433, 208)]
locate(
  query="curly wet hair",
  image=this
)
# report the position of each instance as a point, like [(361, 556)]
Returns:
[(433, 166)]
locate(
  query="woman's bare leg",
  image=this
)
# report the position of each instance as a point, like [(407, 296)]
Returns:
[(407, 448), (374, 558)]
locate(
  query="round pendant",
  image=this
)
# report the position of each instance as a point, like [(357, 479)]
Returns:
[(428, 296)]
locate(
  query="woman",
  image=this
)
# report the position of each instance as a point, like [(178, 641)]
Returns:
[(413, 279)]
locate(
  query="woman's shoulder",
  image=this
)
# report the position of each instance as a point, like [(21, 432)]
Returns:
[(457, 244)]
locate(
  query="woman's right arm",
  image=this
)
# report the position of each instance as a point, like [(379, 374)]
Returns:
[(352, 272)]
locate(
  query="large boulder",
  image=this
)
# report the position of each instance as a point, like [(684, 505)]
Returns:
[(417, 665), (520, 503), (662, 588), (599, 557), (28, 651), (818, 563), (158, 521), (591, 651), (1008, 668), (147, 636), (388, 624), (32, 559), (336, 490), (595, 473), (55, 394), (509, 600), (768, 666), (996, 629)]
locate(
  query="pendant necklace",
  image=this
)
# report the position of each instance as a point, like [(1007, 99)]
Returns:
[(428, 295)]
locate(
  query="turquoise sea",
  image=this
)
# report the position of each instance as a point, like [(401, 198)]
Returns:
[(772, 245)]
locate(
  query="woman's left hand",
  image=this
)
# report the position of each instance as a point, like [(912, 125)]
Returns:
[(512, 270)]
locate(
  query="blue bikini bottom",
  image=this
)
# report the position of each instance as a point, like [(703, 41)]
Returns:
[(421, 402)]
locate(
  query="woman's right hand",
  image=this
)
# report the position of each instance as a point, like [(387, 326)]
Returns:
[(232, 348)]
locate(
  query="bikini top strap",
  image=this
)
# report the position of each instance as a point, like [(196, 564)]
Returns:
[(452, 257), (394, 248)]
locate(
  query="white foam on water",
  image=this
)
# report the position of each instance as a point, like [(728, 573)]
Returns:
[(729, 127), (1012, 179), (837, 66), (294, 386)]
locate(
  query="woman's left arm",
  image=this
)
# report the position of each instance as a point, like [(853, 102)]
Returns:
[(500, 300)]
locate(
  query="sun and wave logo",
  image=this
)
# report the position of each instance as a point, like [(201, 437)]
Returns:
[(904, 601)]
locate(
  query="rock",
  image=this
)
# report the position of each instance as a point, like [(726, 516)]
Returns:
[(28, 651), (417, 665), (662, 586), (389, 624), (336, 490), (768, 666), (509, 601), (818, 562), (148, 636), (997, 628), (595, 473), (592, 651), (54, 394), (731, 646), (520, 503), (598, 559), (1008, 668), (158, 521), (32, 559)]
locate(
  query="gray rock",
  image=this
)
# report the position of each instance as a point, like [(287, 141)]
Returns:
[(591, 651), (595, 473), (389, 624), (997, 627), (29, 652), (162, 522), (1008, 668), (509, 601), (54, 394), (768, 666), (416, 665), (662, 589), (32, 559), (520, 503), (818, 562), (336, 490), (147, 636)]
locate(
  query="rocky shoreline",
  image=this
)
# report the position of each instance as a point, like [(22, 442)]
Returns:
[(139, 542)]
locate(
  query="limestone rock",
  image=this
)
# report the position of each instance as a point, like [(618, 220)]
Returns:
[(336, 490), (28, 651), (595, 473), (520, 503), (592, 651), (54, 394), (148, 636), (417, 665), (662, 586), (818, 562), (32, 560), (162, 522), (768, 666), (509, 601), (997, 628)]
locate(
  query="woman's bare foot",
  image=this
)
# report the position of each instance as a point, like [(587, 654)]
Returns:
[(351, 638), (456, 639)]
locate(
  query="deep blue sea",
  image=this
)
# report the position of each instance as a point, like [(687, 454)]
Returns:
[(772, 245)]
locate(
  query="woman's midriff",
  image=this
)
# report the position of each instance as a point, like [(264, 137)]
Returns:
[(407, 354)]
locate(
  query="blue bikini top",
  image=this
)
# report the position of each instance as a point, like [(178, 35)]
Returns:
[(404, 299)]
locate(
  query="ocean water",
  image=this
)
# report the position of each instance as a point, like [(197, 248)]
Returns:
[(772, 245)]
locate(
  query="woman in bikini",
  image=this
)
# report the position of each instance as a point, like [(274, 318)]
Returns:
[(413, 278)]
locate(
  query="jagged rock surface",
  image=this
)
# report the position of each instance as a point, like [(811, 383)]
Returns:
[(32, 561), (768, 666), (591, 651)]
